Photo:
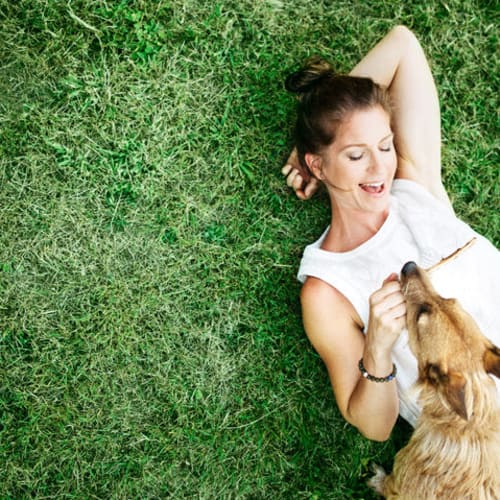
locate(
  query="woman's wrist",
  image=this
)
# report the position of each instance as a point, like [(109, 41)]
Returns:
[(372, 378), (377, 361)]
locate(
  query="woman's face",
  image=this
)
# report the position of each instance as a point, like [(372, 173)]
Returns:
[(359, 167)]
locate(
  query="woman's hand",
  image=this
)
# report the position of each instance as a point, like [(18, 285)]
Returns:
[(298, 179), (387, 317)]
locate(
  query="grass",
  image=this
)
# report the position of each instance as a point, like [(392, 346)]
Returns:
[(150, 336)]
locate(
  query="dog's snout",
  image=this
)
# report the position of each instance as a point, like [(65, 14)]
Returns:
[(409, 268)]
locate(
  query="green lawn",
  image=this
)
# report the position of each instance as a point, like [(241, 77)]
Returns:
[(151, 343)]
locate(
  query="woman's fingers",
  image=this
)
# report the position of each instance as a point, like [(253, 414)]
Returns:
[(298, 178), (297, 182), (286, 169), (391, 277), (311, 187), (391, 308), (387, 310), (294, 179), (390, 288), (293, 159), (304, 187)]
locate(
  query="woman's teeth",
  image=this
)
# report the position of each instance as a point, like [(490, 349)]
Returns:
[(373, 187)]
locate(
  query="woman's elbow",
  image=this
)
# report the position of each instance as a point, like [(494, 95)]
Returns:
[(375, 429), (373, 433), (376, 434), (381, 429), (403, 31)]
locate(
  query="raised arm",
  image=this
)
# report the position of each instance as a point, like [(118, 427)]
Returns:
[(398, 63)]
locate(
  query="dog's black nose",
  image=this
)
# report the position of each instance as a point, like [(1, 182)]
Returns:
[(409, 268)]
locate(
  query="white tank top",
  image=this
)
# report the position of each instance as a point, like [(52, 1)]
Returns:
[(422, 229)]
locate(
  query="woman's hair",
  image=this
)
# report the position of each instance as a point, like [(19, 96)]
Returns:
[(325, 99)]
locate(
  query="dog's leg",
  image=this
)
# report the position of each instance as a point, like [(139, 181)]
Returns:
[(377, 481)]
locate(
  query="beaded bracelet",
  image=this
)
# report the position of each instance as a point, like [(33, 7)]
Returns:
[(366, 375)]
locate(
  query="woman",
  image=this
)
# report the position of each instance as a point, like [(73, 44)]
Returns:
[(373, 140)]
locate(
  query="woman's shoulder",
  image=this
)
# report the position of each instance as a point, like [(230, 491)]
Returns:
[(413, 196), (316, 288), (401, 187), (318, 298), (434, 194), (318, 293)]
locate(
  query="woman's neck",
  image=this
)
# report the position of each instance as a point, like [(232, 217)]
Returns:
[(351, 228)]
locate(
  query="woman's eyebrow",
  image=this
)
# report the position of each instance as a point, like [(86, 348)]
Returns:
[(390, 136)]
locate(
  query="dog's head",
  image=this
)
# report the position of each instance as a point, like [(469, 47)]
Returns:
[(445, 339)]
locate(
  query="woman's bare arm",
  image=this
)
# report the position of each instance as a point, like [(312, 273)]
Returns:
[(398, 63), (335, 332)]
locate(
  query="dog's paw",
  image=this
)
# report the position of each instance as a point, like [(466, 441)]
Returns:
[(377, 481)]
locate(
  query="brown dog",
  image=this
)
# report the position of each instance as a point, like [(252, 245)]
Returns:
[(454, 451)]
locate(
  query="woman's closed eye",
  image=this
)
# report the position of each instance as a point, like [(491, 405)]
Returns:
[(355, 156)]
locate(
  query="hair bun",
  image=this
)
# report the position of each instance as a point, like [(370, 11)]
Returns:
[(314, 70)]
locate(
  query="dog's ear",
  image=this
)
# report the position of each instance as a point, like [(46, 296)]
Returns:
[(491, 360), (452, 387), (454, 391)]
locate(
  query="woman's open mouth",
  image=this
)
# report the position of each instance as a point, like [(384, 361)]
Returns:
[(373, 187)]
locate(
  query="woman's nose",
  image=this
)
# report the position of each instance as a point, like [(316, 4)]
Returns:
[(376, 161)]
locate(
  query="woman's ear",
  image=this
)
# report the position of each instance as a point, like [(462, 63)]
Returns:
[(315, 165)]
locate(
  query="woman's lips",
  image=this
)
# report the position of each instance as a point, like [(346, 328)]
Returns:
[(373, 187)]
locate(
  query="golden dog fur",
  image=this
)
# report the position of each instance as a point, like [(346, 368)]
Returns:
[(454, 452)]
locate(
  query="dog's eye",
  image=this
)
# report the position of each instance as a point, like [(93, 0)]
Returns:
[(423, 309)]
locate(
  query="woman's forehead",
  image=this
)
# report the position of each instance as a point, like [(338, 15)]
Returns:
[(364, 126)]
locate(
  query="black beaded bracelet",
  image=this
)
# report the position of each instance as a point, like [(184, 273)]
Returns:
[(366, 375)]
